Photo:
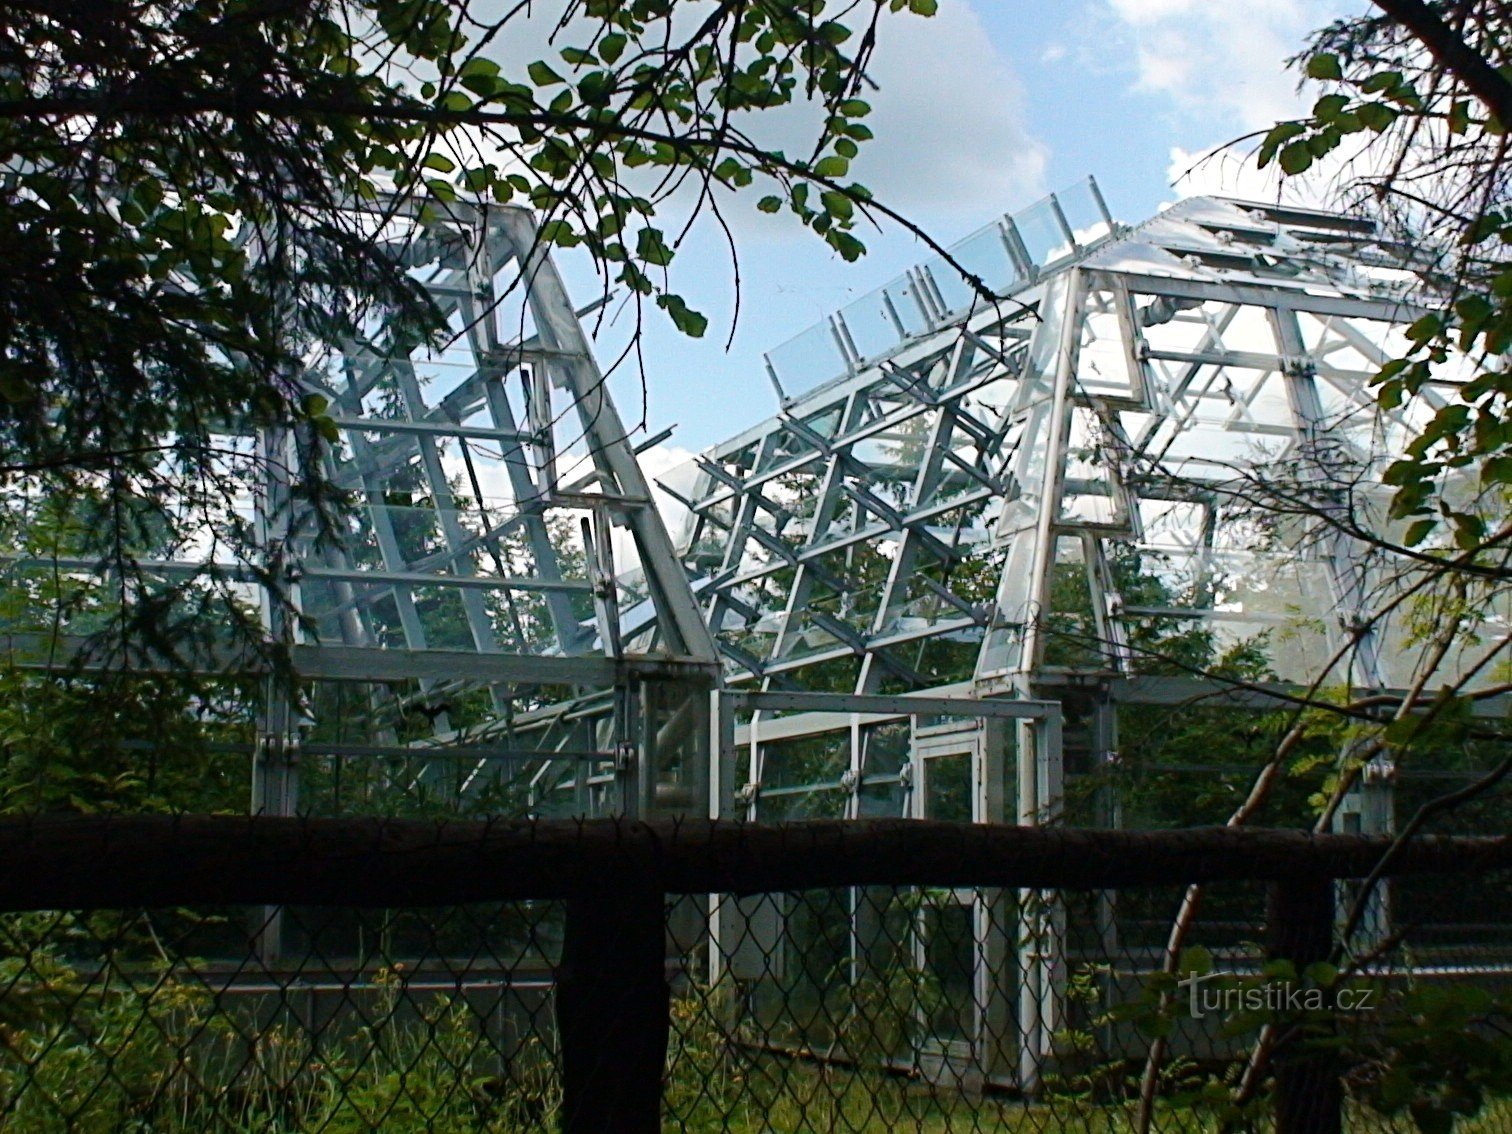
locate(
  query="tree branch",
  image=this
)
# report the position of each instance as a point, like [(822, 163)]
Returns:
[(1456, 56)]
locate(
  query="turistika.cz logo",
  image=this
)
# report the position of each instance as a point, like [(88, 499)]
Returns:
[(1206, 998)]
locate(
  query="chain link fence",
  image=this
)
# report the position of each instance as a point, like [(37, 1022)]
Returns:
[(624, 1000)]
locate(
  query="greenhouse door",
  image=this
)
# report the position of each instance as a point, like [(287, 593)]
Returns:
[(962, 937)]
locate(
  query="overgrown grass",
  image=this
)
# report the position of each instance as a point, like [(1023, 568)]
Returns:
[(143, 1052)]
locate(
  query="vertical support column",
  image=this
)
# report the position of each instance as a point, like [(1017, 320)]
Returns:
[(612, 1004), (994, 914), (629, 749), (1109, 814), (275, 762), (275, 767), (1318, 446), (1057, 437), (1368, 808), (1042, 914), (1299, 925), (722, 912)]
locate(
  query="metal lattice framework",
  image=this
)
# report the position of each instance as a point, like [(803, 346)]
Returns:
[(506, 538), (969, 521), (1119, 475), (1009, 497), (499, 607)]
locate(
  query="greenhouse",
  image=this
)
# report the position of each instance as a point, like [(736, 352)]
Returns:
[(1129, 480), (1139, 487), (496, 615), (1051, 542)]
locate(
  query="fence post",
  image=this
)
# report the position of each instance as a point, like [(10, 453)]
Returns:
[(1309, 1095), (612, 1004)]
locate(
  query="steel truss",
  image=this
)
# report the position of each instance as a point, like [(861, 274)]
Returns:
[(504, 524), (500, 598), (1035, 497)]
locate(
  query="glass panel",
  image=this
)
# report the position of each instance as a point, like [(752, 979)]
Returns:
[(984, 255), (1072, 637), (950, 964), (886, 747), (875, 322), (1103, 363), (805, 761), (910, 306), (1091, 494), (1083, 212), (807, 360), (1040, 229), (947, 788)]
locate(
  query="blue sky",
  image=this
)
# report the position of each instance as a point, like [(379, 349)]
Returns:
[(981, 110)]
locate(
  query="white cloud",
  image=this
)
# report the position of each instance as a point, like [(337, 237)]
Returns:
[(952, 129), (1223, 63), (1222, 68), (1225, 172), (1220, 173), (952, 135)]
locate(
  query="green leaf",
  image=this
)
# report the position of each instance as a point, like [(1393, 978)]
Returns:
[(478, 65), (1196, 959), (1296, 158), (611, 47), (542, 75), (439, 162), (1418, 531), (923, 7), (1321, 973), (850, 248), (688, 321), (560, 233), (1376, 115), (1279, 135), (1329, 106), (837, 204), (13, 387), (769, 204), (1324, 66), (1401, 730), (652, 248), (1428, 327), (831, 167), (1496, 470)]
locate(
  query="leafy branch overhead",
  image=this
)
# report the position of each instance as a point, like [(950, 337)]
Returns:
[(656, 86), (195, 194), (1415, 103)]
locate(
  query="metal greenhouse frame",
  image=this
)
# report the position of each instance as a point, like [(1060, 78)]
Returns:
[(501, 573), (987, 517), (1031, 498)]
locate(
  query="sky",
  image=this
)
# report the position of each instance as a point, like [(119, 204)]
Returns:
[(980, 111)]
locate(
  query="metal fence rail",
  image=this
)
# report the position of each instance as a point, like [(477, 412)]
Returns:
[(168, 974)]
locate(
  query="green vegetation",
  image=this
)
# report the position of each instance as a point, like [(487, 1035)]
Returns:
[(152, 1050)]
